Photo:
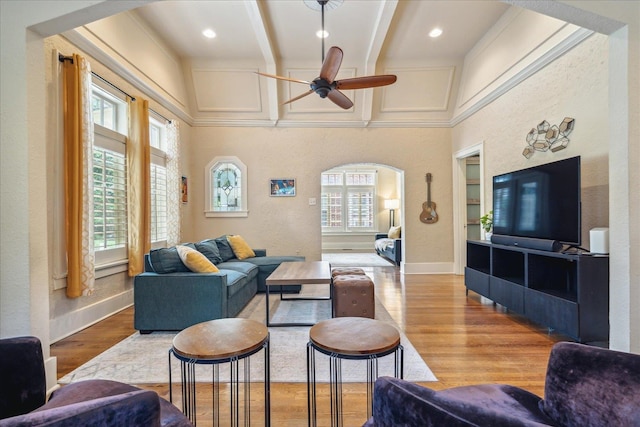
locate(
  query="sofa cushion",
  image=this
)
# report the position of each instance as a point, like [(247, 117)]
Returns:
[(226, 253), (240, 247), (235, 281), (195, 261), (167, 260), (209, 248), (398, 402), (267, 265), (135, 408), (271, 262), (247, 268)]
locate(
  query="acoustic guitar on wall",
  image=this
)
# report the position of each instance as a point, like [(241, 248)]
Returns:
[(429, 214)]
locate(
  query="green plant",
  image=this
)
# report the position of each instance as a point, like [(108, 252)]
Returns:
[(486, 221)]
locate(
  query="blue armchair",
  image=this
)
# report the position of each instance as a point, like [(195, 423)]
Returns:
[(585, 386), (92, 402)]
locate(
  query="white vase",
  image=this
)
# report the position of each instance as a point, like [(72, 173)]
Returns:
[(487, 235)]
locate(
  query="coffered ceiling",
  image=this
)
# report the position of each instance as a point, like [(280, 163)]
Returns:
[(279, 37)]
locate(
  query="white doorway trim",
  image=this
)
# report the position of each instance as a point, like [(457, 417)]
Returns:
[(460, 202)]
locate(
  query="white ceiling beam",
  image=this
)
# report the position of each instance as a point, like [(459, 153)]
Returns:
[(266, 46), (380, 31)]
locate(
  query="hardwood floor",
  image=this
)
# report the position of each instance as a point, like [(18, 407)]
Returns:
[(463, 339)]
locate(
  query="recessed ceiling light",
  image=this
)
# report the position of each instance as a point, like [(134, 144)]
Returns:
[(322, 34), (209, 33), (436, 32)]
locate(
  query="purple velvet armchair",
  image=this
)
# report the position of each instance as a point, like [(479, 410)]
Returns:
[(584, 386), (93, 402)]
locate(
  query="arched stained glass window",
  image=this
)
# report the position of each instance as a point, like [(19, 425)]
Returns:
[(226, 187)]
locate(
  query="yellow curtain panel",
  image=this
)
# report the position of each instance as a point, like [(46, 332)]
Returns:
[(139, 185), (78, 189)]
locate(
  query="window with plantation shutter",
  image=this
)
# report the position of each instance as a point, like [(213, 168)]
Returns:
[(109, 114), (360, 209), (348, 200), (159, 206), (109, 195), (109, 177), (158, 203)]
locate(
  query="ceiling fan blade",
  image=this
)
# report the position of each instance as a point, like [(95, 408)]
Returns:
[(273, 76), (331, 64), (340, 99), (298, 97), (366, 82)]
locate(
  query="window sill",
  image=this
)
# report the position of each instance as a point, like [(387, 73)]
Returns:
[(350, 233), (232, 214), (103, 270)]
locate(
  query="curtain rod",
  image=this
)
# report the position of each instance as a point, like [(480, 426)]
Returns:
[(63, 58)]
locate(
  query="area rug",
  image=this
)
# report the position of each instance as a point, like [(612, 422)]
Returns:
[(144, 359), (356, 260)]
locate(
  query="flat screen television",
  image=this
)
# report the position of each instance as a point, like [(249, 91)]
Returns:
[(540, 202)]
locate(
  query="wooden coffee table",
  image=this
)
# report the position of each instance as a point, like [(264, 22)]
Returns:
[(355, 338), (215, 342), (298, 273)]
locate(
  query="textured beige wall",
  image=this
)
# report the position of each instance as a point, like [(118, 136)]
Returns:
[(575, 85), (290, 225)]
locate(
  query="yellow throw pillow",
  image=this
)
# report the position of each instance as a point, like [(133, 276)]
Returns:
[(394, 232), (195, 261), (240, 248)]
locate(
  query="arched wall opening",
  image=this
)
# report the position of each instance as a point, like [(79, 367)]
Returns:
[(388, 186)]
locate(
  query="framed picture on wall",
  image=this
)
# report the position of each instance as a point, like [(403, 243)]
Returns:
[(282, 187), (184, 196)]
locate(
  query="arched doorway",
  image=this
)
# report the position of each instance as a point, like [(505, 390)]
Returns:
[(359, 201)]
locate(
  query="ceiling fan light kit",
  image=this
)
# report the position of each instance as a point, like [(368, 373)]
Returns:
[(325, 85)]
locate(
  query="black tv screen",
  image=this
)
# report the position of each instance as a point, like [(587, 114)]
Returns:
[(540, 202)]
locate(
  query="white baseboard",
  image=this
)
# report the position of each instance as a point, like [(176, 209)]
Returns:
[(72, 322), (427, 268), (347, 246)]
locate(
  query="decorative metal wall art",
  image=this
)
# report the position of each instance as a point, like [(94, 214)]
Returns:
[(545, 137)]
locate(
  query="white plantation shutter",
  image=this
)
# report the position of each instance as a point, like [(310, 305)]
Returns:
[(158, 202), (109, 197), (348, 200)]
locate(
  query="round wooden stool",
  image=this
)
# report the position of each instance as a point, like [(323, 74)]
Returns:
[(216, 342), (349, 338)]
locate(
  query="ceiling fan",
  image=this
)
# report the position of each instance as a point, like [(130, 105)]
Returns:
[(325, 85)]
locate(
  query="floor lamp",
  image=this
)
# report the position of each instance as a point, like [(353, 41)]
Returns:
[(392, 205)]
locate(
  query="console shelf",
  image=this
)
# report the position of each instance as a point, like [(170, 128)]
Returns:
[(565, 292)]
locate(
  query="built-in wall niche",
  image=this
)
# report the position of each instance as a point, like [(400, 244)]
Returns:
[(472, 172)]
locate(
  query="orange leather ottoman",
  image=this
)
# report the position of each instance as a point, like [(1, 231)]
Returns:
[(353, 296)]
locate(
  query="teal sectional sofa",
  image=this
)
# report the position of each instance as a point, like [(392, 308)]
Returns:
[(170, 297)]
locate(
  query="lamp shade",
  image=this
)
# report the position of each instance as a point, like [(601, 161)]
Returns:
[(392, 204)]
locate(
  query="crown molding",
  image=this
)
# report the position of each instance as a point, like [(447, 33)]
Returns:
[(107, 60), (84, 44), (554, 53)]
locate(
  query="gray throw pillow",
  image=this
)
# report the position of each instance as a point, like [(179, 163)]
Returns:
[(167, 260), (209, 248), (226, 253)]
